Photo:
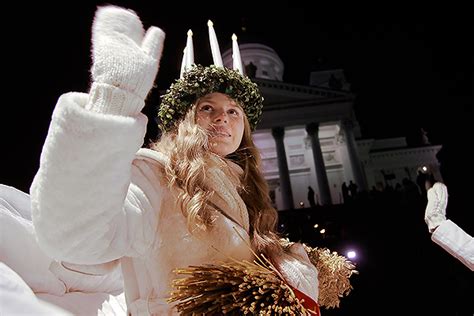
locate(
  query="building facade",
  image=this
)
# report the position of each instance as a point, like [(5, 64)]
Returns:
[(309, 137)]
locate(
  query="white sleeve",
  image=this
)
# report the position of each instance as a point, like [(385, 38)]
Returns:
[(456, 241), (88, 204)]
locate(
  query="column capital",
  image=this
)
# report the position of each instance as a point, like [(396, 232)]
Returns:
[(278, 132), (312, 128)]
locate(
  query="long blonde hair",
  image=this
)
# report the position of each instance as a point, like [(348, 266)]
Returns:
[(187, 148)]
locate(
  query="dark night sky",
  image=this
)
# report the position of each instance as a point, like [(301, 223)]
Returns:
[(408, 68), (407, 71)]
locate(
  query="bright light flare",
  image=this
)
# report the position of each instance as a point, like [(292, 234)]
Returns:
[(351, 254)]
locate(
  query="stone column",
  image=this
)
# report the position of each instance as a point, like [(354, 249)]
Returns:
[(323, 184), (359, 177), (285, 185)]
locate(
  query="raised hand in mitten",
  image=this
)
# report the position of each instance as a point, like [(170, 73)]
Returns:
[(435, 212), (125, 61)]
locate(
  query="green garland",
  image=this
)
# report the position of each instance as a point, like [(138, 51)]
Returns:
[(199, 81)]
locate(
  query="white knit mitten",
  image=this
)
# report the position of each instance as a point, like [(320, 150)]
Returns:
[(435, 212), (125, 61), (297, 269)]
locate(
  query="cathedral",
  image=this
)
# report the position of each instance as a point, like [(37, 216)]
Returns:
[(309, 137)]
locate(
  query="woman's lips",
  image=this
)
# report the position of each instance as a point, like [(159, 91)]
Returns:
[(219, 133)]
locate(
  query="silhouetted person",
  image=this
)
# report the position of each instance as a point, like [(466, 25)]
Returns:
[(387, 177), (353, 189), (345, 192), (311, 200), (251, 70), (420, 181)]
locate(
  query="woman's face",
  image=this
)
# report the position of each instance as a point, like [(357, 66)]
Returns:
[(223, 119)]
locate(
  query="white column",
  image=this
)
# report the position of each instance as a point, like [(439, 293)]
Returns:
[(278, 134), (321, 176), (357, 171)]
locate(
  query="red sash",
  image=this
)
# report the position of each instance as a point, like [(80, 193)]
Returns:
[(311, 305)]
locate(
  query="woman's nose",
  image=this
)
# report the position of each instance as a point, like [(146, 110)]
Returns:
[(221, 117)]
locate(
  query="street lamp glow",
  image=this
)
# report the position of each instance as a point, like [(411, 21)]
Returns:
[(351, 254)]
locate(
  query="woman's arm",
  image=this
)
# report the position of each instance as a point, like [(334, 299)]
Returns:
[(445, 233), (455, 241), (86, 204)]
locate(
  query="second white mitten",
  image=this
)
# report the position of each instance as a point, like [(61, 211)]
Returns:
[(435, 212)]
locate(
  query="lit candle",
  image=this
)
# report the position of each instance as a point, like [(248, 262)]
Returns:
[(216, 53), (189, 51), (188, 54), (236, 60)]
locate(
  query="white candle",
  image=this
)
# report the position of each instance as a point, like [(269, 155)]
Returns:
[(216, 53), (188, 54), (236, 60), (189, 51)]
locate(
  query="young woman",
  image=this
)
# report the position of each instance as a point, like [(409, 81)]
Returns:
[(197, 197)]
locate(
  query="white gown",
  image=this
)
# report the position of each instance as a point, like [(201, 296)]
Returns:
[(33, 284)]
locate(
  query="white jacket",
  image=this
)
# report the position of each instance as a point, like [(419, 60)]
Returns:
[(456, 241), (98, 197)]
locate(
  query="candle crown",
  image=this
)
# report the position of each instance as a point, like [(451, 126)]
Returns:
[(196, 81)]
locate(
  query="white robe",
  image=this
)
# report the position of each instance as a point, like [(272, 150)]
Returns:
[(95, 200), (100, 201)]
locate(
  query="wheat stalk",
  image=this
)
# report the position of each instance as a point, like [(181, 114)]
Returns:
[(257, 288), (241, 287)]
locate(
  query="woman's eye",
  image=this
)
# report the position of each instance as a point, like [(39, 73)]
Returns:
[(234, 112), (206, 108)]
